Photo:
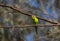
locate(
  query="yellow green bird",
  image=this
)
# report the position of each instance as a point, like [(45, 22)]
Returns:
[(35, 21)]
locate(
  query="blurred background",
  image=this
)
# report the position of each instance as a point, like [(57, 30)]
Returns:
[(47, 9)]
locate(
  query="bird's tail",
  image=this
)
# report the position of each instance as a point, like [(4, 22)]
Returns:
[(36, 29)]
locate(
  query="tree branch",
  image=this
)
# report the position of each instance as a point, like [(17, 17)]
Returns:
[(26, 13), (32, 25)]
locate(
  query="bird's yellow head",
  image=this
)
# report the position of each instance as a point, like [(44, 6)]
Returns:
[(33, 16)]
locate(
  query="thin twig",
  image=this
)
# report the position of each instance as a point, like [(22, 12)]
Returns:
[(26, 26), (27, 13)]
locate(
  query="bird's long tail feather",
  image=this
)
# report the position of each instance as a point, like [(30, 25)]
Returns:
[(36, 29)]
